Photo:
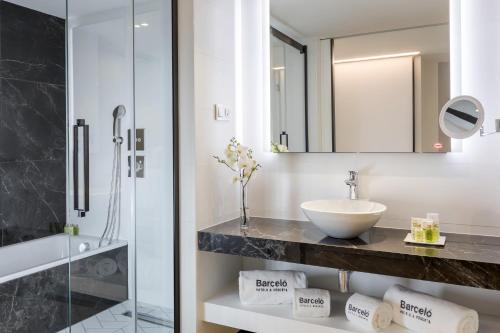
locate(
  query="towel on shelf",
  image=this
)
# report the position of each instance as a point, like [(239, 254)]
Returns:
[(424, 313), (314, 303), (368, 312), (270, 287)]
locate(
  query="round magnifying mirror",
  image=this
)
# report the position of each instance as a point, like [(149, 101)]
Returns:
[(461, 117)]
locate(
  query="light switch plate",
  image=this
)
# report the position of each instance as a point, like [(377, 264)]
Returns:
[(222, 112)]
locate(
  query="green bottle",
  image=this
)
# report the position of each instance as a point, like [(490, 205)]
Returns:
[(435, 226), (431, 234), (417, 232)]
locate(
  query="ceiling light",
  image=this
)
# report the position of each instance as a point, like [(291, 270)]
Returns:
[(385, 56), (145, 24), (278, 68), (137, 26)]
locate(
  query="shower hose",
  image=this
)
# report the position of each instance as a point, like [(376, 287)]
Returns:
[(112, 229)]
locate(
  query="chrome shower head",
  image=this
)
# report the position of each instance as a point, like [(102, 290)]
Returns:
[(118, 113)]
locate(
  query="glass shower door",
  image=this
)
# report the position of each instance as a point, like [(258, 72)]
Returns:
[(101, 186), (155, 164), (121, 165)]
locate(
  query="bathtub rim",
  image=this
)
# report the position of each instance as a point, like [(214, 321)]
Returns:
[(66, 259)]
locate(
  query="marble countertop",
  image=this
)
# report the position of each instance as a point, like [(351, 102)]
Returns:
[(468, 260)]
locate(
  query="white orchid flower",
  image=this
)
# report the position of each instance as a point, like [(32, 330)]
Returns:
[(239, 159)]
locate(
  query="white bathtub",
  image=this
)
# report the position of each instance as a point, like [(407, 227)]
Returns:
[(37, 255)]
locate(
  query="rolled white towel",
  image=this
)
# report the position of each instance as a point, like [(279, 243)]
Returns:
[(270, 287), (314, 303), (368, 312), (424, 313)]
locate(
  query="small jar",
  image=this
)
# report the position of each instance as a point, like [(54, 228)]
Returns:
[(435, 226), (427, 227), (417, 232)]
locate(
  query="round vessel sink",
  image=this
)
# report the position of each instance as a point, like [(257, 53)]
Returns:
[(343, 218)]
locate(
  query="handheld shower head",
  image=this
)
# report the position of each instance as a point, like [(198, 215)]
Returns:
[(118, 114)]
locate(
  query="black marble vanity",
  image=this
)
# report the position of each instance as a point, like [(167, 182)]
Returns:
[(465, 260)]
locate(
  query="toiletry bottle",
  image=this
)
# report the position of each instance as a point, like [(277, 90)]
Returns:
[(435, 227), (427, 227), (416, 229)]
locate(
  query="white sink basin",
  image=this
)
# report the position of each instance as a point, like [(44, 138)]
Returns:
[(343, 218)]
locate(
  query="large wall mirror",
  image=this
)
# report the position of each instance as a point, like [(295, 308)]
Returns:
[(359, 75)]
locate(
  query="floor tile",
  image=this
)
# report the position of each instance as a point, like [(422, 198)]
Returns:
[(113, 321)]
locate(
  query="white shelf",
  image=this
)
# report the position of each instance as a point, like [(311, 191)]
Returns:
[(225, 309)]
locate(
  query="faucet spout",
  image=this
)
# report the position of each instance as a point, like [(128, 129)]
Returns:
[(352, 182)]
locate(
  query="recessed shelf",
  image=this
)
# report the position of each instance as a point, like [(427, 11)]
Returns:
[(465, 260), (225, 309)]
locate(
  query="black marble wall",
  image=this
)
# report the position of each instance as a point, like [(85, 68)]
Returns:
[(32, 124), (40, 302)]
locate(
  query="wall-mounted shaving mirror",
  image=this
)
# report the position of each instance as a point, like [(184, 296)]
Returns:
[(365, 77), (461, 117)]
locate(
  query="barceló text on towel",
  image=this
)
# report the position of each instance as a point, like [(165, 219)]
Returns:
[(269, 287), (424, 313), (368, 312), (314, 303)]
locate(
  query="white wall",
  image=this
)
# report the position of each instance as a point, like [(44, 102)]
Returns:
[(187, 166), (207, 76), (463, 187)]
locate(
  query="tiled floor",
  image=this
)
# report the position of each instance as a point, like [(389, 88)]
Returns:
[(113, 321)]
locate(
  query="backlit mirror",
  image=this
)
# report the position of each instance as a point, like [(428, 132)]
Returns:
[(359, 76), (461, 117)]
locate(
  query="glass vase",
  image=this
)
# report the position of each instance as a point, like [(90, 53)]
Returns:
[(244, 210)]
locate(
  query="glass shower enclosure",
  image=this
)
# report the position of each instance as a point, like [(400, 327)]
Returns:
[(87, 199)]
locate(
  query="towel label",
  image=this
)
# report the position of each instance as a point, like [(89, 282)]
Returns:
[(359, 312), (306, 302), (267, 286), (412, 311)]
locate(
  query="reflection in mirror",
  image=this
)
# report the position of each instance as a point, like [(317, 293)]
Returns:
[(349, 78), (461, 117), (288, 97)]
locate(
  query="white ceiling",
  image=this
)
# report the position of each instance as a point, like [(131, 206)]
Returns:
[(334, 18)]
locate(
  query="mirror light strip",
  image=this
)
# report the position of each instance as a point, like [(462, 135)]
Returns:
[(385, 56)]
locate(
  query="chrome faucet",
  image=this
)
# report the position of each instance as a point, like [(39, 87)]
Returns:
[(353, 182)]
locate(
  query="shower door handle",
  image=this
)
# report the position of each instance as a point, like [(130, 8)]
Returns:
[(81, 161)]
